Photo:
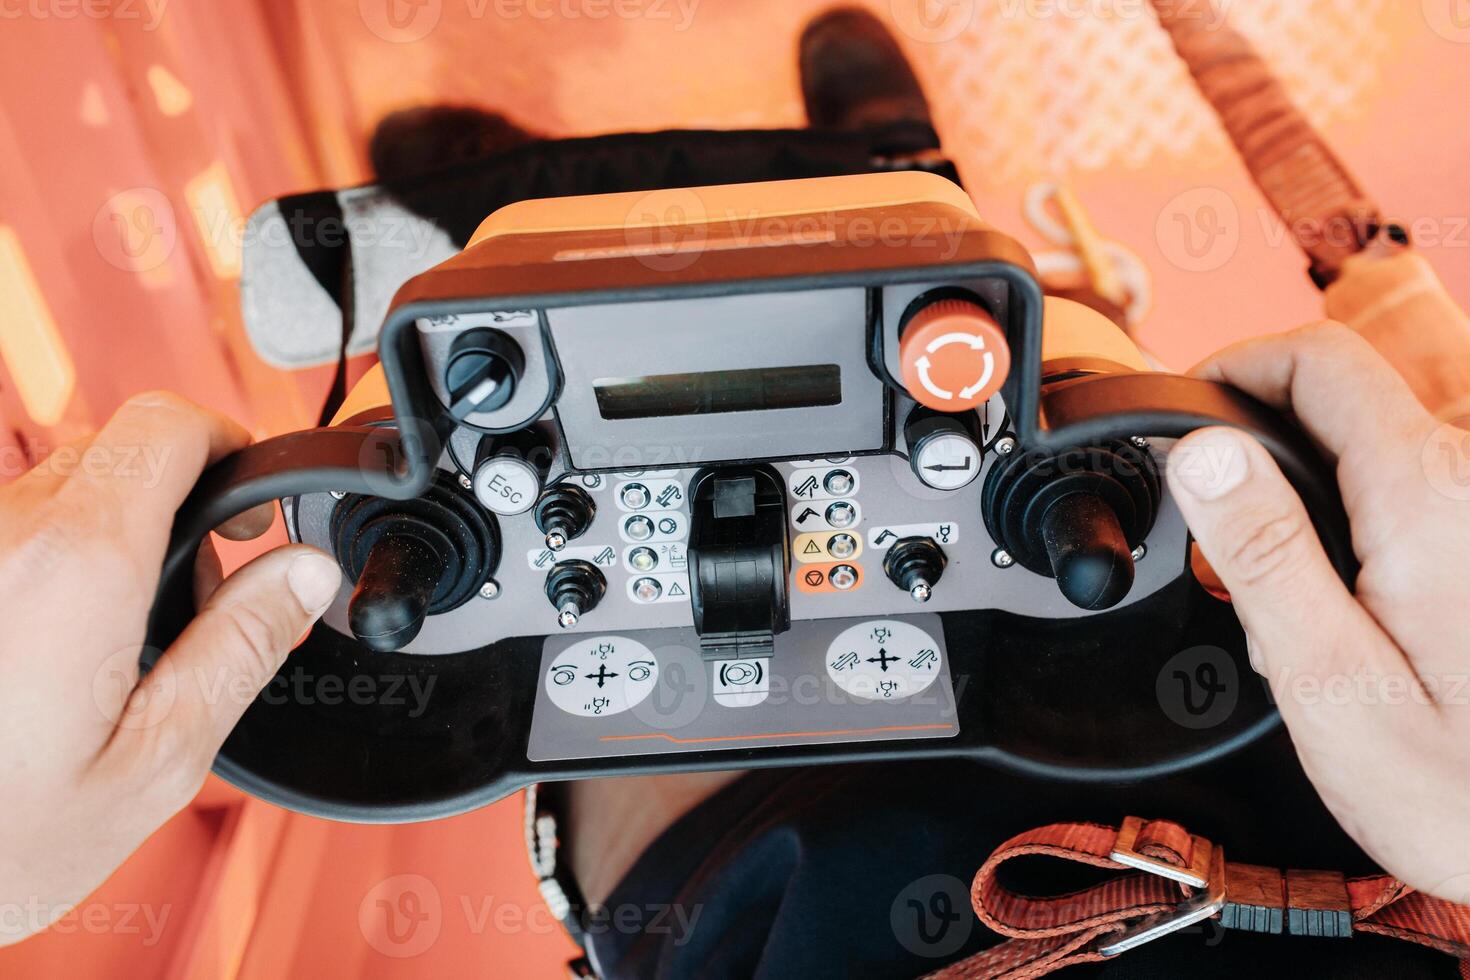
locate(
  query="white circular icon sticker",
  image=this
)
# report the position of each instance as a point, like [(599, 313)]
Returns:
[(883, 660), (948, 461), (604, 675)]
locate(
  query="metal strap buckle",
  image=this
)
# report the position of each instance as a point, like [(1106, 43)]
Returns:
[(1205, 874)]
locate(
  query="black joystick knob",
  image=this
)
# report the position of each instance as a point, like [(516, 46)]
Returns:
[(411, 559), (915, 565), (1089, 554), (393, 593), (574, 588), (1075, 516), (564, 512), (484, 367)]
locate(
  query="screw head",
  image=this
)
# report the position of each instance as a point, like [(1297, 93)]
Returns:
[(1005, 445), (490, 589), (1002, 558), (1140, 552)]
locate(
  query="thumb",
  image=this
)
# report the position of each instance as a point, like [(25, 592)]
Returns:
[(239, 639), (1255, 532)]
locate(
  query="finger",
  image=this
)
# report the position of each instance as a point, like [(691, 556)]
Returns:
[(148, 457), (234, 646), (52, 469), (208, 573), (1342, 390), (1255, 532), (249, 525)]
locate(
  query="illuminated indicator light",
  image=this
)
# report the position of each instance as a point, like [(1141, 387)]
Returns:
[(639, 528), (648, 589), (216, 209), (841, 514), (839, 483), (643, 559), (635, 496), (828, 579), (172, 96), (30, 345)]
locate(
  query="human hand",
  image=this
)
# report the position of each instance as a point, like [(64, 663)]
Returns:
[(1374, 687), (93, 760)]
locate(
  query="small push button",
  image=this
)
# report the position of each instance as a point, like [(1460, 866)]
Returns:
[(953, 355)]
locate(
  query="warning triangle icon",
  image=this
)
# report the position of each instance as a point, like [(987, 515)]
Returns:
[(811, 549), (676, 590)]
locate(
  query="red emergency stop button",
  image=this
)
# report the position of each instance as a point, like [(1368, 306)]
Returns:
[(954, 356)]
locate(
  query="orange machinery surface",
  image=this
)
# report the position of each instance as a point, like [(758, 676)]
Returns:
[(135, 136)]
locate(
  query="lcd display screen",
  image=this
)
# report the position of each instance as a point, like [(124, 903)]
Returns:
[(719, 392)]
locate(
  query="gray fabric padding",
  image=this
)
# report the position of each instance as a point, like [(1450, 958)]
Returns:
[(291, 320)]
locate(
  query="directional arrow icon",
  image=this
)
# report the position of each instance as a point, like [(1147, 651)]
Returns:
[(979, 386), (923, 365)]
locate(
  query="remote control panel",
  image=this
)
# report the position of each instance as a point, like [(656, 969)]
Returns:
[(771, 474), (593, 512)]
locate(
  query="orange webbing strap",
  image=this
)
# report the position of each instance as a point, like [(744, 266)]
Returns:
[(1184, 880), (1323, 207)]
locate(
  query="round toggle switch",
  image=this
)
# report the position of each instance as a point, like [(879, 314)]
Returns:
[(484, 367), (953, 355)]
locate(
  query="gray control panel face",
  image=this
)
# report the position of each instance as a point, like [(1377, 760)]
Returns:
[(886, 503), (609, 695), (848, 498)]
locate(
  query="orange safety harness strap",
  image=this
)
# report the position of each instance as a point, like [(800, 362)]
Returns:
[(1175, 880)]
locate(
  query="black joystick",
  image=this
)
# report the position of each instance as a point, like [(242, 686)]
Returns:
[(484, 367), (411, 559), (1076, 516), (393, 593), (574, 588), (562, 513), (915, 565), (1087, 551)]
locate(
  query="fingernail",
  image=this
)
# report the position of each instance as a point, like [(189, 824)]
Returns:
[(1210, 464), (314, 579)]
